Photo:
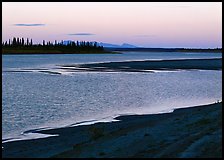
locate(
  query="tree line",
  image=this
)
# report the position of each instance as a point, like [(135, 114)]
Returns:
[(22, 43)]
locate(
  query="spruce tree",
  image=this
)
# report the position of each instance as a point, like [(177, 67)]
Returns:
[(14, 41), (27, 41), (22, 41)]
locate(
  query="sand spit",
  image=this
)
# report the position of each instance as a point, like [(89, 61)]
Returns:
[(144, 66)]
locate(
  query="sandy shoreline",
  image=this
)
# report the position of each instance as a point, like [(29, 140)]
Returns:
[(187, 132), (146, 65)]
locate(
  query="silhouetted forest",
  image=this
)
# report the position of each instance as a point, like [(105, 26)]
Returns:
[(21, 45)]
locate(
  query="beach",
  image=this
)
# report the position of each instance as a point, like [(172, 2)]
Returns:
[(147, 65), (191, 132)]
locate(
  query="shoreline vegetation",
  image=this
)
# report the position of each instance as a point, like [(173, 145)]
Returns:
[(26, 46), (22, 46), (193, 132)]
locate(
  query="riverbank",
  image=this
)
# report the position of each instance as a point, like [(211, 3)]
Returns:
[(187, 132), (148, 65), (30, 52)]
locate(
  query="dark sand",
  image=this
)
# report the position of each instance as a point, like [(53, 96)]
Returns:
[(146, 65), (188, 132)]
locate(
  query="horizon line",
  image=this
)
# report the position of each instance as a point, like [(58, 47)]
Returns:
[(116, 44)]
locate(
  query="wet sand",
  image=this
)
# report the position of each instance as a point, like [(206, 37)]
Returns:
[(147, 65), (187, 132)]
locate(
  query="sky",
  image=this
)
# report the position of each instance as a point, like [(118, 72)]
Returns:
[(143, 24)]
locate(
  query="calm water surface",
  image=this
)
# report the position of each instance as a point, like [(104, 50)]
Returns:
[(32, 100)]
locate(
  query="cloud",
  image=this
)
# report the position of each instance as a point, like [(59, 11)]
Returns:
[(29, 25), (81, 34)]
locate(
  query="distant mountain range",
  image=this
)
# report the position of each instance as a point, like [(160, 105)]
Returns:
[(108, 45), (124, 45)]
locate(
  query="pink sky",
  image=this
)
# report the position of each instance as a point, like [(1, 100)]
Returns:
[(146, 24)]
